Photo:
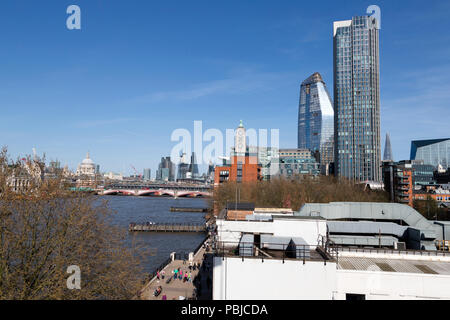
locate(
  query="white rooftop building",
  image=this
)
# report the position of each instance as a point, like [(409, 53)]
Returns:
[(285, 257)]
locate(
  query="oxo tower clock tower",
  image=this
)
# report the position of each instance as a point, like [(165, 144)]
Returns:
[(240, 140)]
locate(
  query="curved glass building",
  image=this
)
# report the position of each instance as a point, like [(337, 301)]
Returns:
[(316, 118), (433, 152)]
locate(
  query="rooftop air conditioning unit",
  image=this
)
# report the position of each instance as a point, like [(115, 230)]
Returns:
[(400, 246)]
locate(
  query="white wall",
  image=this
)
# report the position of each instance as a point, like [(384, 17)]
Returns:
[(309, 230), (378, 285), (252, 279)]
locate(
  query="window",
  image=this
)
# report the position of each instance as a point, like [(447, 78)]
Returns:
[(355, 297)]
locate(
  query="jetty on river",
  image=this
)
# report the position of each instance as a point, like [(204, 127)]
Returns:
[(183, 209), (167, 227)]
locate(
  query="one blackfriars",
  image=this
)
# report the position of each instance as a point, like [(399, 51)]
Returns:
[(316, 119)]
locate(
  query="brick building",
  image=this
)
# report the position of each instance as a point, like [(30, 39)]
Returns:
[(242, 166)]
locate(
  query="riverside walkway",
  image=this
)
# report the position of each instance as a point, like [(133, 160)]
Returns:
[(200, 288)]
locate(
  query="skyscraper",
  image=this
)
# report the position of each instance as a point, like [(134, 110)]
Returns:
[(147, 174), (193, 167), (183, 167), (434, 152), (165, 170), (357, 99), (388, 149), (316, 118)]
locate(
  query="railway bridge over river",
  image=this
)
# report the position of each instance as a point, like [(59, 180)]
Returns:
[(161, 190)]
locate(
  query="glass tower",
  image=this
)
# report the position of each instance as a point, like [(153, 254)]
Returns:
[(357, 99), (316, 118), (433, 152), (388, 149)]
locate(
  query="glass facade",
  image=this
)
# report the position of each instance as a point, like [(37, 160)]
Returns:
[(297, 162), (147, 174), (357, 99), (433, 152), (316, 118), (388, 149), (423, 174)]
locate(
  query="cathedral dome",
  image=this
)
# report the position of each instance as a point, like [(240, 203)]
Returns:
[(86, 167)]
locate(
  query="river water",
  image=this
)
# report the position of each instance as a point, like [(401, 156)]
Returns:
[(157, 246)]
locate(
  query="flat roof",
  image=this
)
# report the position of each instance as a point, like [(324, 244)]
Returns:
[(394, 265), (287, 217)]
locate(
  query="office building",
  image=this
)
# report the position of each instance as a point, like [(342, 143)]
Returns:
[(147, 174), (193, 167), (165, 170), (183, 167), (357, 99), (294, 163), (398, 181), (434, 152), (316, 119), (442, 176)]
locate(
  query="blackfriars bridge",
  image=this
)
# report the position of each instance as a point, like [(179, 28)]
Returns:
[(158, 190)]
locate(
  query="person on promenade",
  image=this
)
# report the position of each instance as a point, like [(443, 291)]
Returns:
[(163, 274), (190, 277), (175, 274), (157, 275)]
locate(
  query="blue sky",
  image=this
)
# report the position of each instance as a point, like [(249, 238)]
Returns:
[(140, 69)]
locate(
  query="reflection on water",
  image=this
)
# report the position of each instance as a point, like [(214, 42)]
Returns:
[(158, 246)]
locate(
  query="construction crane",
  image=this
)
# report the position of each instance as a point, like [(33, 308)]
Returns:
[(136, 173)]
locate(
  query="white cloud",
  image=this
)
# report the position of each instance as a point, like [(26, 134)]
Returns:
[(237, 85)]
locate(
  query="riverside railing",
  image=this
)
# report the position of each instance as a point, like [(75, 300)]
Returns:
[(274, 251)]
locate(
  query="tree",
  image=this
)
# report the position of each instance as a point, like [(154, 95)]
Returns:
[(429, 208), (279, 193), (44, 229)]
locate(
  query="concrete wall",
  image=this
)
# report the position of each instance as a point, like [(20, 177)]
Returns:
[(309, 230), (252, 279)]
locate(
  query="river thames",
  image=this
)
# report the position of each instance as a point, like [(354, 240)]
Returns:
[(157, 246)]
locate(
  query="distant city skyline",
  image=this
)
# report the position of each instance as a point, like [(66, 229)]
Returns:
[(136, 71)]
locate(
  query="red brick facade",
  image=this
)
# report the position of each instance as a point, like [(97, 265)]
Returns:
[(242, 169)]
